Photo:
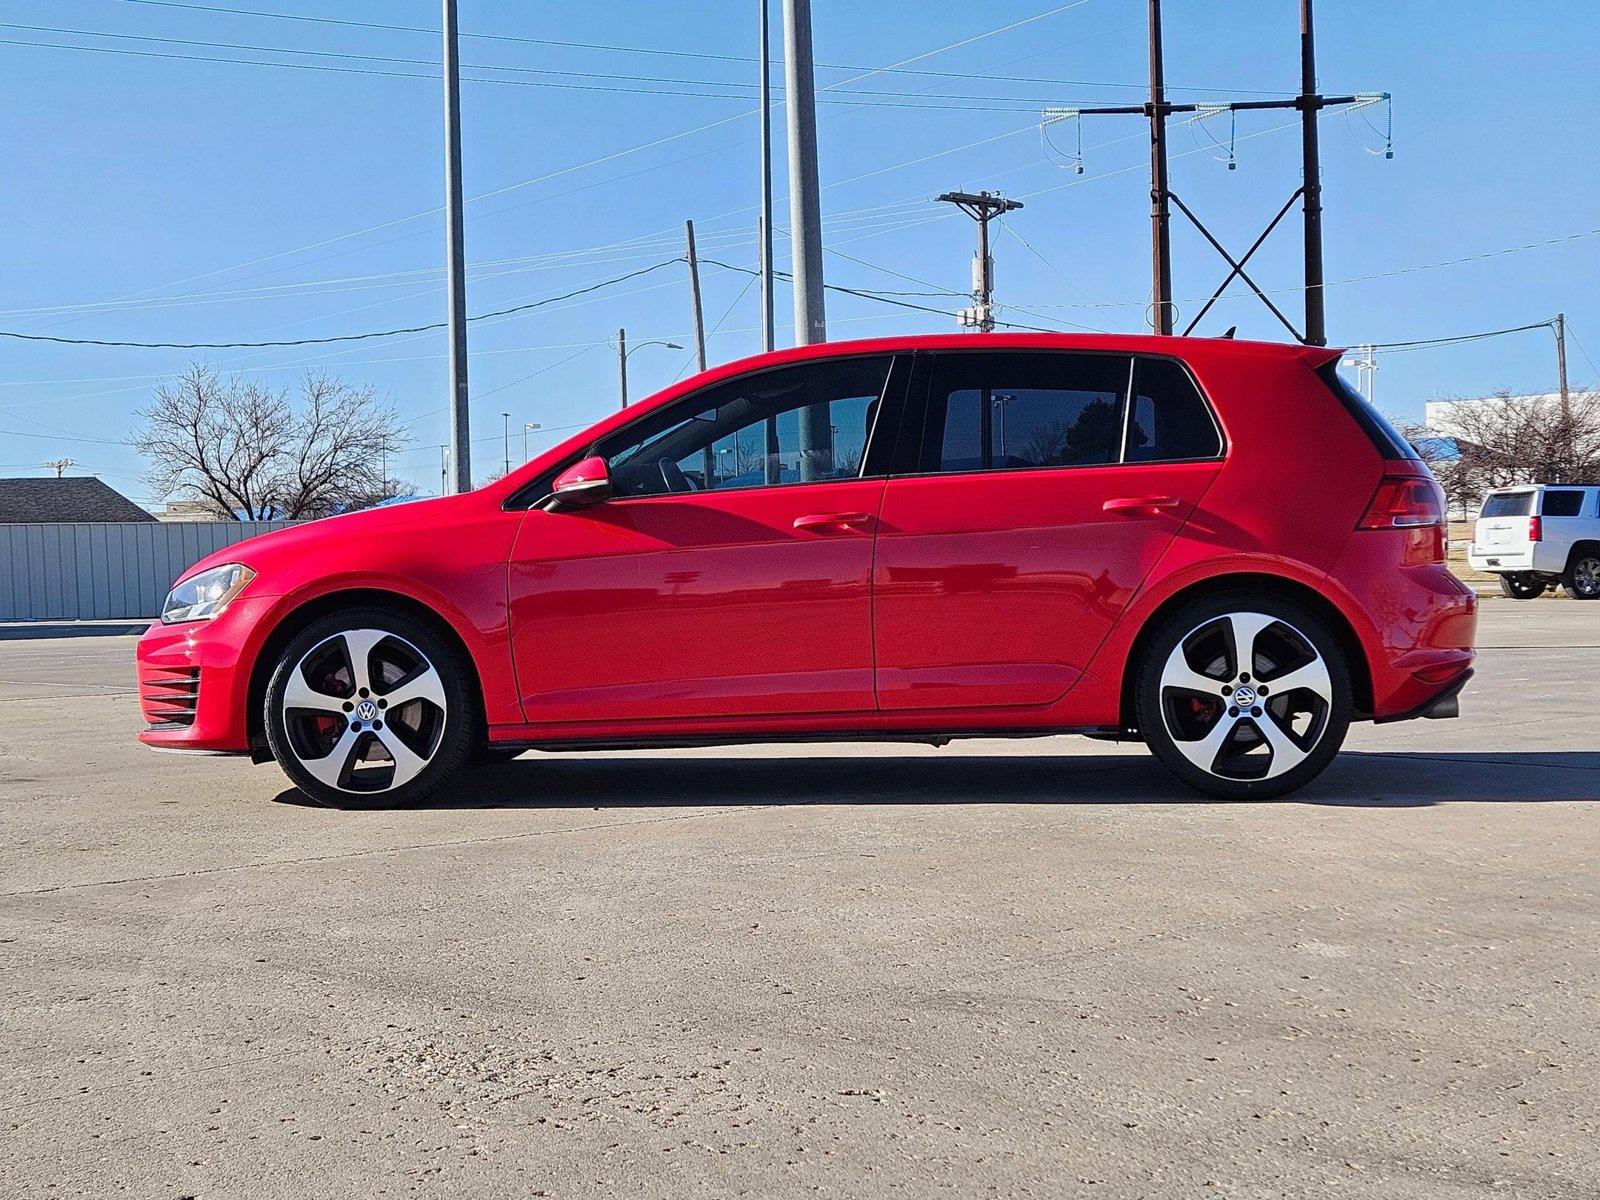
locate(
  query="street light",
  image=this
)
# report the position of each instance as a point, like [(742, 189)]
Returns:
[(622, 358), (527, 425), (505, 442)]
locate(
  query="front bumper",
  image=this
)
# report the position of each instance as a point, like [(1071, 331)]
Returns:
[(194, 679)]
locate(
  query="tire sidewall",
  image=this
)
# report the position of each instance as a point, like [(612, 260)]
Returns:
[(461, 708), (1190, 616)]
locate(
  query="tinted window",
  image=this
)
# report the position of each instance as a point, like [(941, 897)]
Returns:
[(1564, 503), (796, 424), (1508, 504), (1021, 410), (1380, 433), (1169, 419)]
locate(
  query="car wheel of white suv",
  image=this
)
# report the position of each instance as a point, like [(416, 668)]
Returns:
[(1581, 579), (1522, 587), (1244, 696)]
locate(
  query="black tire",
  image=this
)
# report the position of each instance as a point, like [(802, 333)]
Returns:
[(444, 733), (1291, 640), (1522, 586), (1581, 579)]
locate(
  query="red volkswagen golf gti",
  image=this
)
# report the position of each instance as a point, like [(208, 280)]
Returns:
[(1214, 546)]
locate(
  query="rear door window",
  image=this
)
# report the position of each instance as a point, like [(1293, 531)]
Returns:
[(1508, 504), (1021, 410), (1563, 502), (1168, 420)]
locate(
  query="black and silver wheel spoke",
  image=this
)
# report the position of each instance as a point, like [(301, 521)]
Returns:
[(364, 710), (1245, 696)]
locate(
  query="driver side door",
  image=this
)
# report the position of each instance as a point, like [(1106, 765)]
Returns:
[(731, 572)]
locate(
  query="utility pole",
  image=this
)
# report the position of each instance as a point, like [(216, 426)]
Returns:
[(1157, 109), (805, 202), (1311, 193), (1160, 212), (59, 465), (767, 333), (694, 289), (622, 364), (1561, 371), (982, 207), (505, 442), (444, 470), (1366, 368), (455, 256)]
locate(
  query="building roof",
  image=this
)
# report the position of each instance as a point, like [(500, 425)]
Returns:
[(72, 498)]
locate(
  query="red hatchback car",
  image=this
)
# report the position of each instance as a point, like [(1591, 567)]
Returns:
[(1214, 546)]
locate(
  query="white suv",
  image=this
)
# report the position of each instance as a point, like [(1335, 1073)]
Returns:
[(1539, 535)]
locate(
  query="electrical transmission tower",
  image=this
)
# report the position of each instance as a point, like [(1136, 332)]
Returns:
[(1310, 104), (982, 207)]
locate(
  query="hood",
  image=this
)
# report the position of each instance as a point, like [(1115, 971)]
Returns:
[(265, 548)]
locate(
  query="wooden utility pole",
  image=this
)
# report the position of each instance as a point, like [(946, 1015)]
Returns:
[(694, 289), (767, 328), (982, 207), (622, 364), (1160, 212)]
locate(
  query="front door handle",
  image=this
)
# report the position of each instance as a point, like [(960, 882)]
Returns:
[(832, 522), (1142, 506)]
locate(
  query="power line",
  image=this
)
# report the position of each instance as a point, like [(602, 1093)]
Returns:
[(344, 337), (1454, 339), (656, 51)]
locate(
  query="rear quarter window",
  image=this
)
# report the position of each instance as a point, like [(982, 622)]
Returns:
[(1563, 502), (1388, 440), (1508, 504)]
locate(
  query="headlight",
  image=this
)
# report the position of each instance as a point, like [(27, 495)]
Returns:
[(202, 596)]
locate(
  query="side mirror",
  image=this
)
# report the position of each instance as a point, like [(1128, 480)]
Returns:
[(583, 483)]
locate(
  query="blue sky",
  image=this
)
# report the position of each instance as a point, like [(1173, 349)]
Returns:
[(167, 199)]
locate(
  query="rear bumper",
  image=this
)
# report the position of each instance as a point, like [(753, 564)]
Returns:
[(194, 680), (1538, 559), (1423, 623)]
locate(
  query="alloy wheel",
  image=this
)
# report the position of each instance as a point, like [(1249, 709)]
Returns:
[(1586, 577), (364, 711), (1245, 696)]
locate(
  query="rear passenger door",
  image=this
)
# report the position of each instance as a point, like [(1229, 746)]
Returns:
[(1030, 500)]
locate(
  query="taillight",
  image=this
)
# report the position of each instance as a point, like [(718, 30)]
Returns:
[(1412, 505), (1405, 502), (1535, 529)]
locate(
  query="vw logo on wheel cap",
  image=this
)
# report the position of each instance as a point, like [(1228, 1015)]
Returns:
[(1245, 696), (367, 711)]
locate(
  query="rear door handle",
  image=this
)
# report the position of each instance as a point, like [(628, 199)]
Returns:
[(832, 522), (1144, 506)]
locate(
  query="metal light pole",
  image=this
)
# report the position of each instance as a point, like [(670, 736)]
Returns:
[(767, 334), (505, 442), (527, 425), (624, 350), (805, 202), (455, 257)]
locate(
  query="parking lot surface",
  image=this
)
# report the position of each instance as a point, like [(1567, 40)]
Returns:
[(1033, 968)]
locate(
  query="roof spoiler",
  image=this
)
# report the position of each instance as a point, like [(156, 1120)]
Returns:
[(1317, 357)]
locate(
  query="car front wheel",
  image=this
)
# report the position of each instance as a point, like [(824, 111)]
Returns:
[(370, 709), (1244, 696)]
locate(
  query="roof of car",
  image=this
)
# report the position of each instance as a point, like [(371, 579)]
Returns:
[(1119, 343)]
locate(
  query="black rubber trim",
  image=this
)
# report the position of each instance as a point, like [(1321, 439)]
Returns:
[(1421, 710)]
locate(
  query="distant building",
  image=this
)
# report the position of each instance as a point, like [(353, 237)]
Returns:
[(191, 510), (1444, 417), (71, 499)]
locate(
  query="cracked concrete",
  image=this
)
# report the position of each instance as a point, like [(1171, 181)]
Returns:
[(1000, 968)]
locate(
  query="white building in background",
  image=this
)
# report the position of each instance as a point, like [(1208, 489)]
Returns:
[(1440, 419)]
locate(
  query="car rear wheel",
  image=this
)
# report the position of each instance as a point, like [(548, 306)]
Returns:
[(1581, 580), (370, 709), (1244, 696), (1522, 587)]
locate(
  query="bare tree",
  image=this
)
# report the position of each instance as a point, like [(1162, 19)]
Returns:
[(1505, 439), (253, 454)]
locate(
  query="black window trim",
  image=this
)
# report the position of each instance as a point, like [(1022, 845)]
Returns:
[(891, 399), (914, 414)]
